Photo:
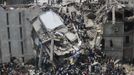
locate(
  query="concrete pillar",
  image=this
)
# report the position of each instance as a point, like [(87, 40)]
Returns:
[(52, 49), (113, 15)]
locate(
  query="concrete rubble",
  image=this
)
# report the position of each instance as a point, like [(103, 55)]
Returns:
[(67, 39)]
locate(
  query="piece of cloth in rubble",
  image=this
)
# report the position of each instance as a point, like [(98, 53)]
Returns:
[(91, 53)]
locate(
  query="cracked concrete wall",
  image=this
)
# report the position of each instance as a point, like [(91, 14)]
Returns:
[(113, 36)]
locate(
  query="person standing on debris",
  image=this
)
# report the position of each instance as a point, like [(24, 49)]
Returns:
[(10, 68), (91, 56)]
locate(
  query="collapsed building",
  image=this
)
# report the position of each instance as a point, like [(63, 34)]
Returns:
[(65, 31), (74, 30), (117, 37), (93, 34)]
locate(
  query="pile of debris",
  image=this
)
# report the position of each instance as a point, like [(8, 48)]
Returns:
[(67, 37)]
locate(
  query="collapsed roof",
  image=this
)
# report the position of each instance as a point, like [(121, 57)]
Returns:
[(51, 20)]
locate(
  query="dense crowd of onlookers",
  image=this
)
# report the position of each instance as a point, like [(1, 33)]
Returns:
[(83, 65)]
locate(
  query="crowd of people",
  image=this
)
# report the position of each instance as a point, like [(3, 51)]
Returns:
[(12, 69), (81, 64)]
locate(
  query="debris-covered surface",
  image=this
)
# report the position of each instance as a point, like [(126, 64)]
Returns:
[(67, 39)]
